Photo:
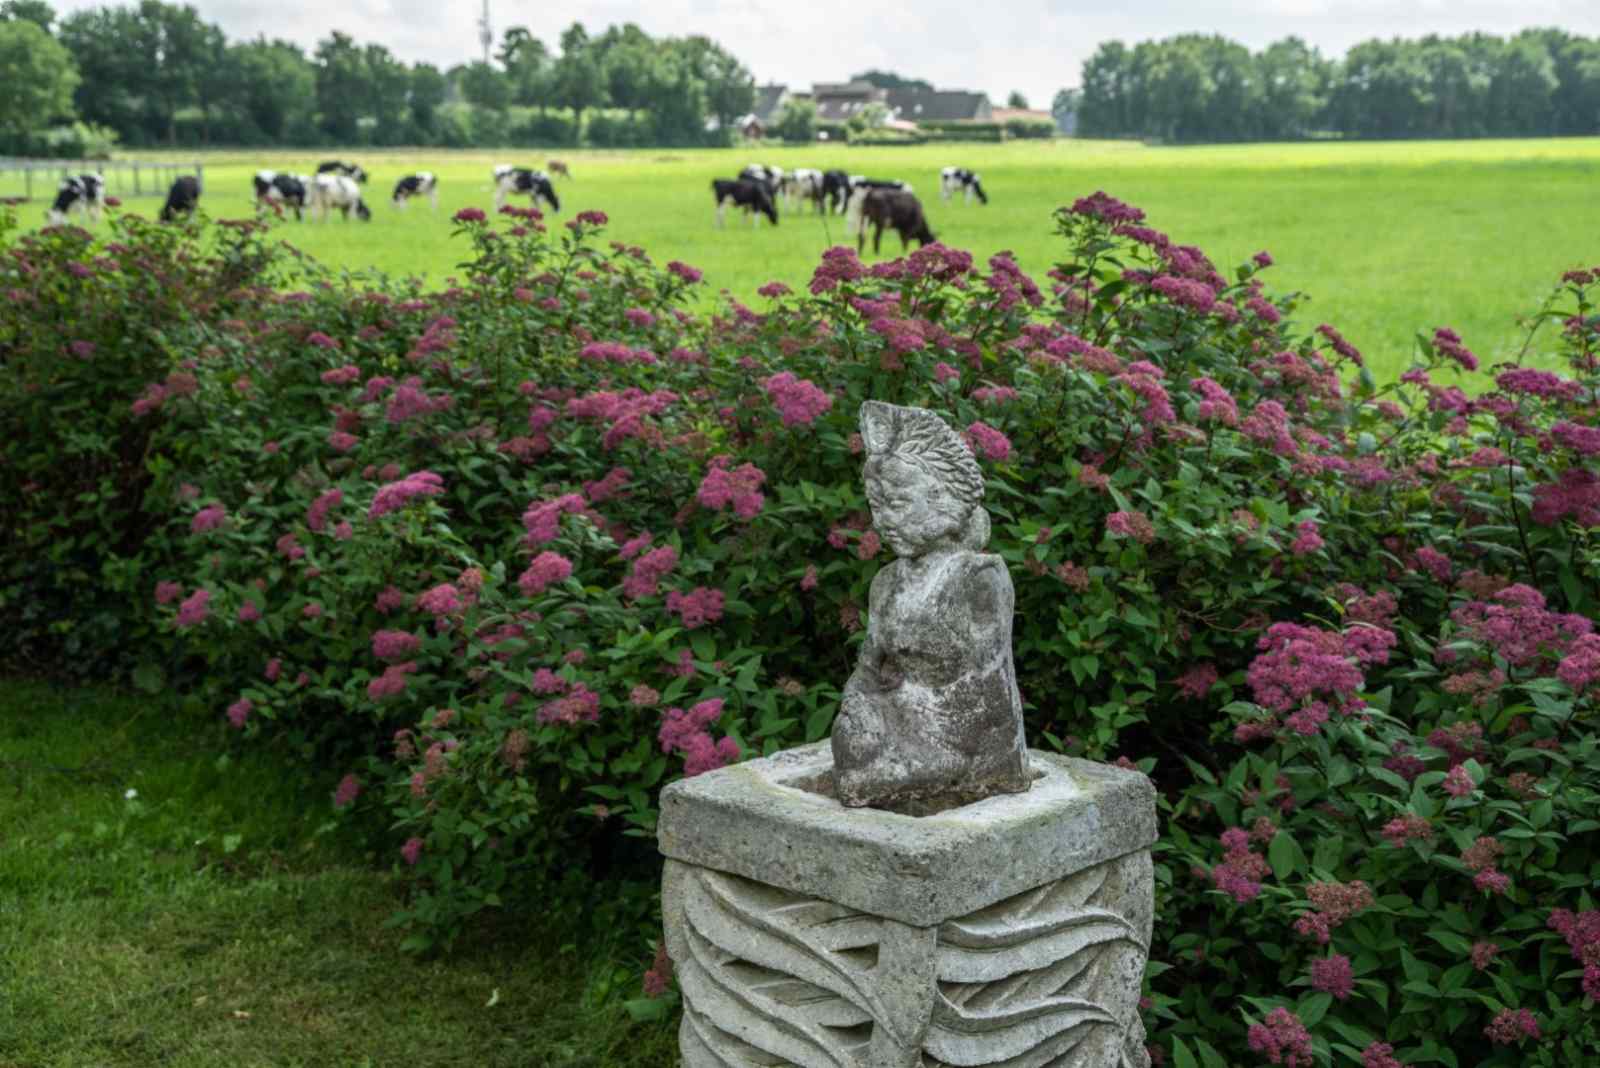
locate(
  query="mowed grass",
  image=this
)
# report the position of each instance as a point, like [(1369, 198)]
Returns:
[(213, 920), (1387, 238)]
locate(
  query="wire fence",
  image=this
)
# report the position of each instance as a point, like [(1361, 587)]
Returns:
[(38, 179)]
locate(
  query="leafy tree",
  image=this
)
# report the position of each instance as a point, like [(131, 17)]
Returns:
[(388, 80), (1016, 100), (730, 90), (37, 12), (427, 94), (678, 111), (275, 90), (527, 64), (796, 120), (341, 81), (99, 40), (888, 80), (1292, 77), (579, 83), (482, 86), (39, 77)]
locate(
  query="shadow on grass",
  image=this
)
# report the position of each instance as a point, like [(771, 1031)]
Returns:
[(216, 917)]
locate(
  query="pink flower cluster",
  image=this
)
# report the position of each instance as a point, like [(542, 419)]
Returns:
[(1283, 1038), (737, 488), (700, 606), (1135, 525), (1299, 663), (546, 569), (1242, 869), (579, 705), (1101, 205), (1448, 342), (317, 514), (194, 609), (392, 682), (799, 402), (209, 518), (1216, 403), (394, 644), (1582, 932), (1144, 380), (989, 442), (1197, 680), (1511, 1026), (839, 264), (1332, 975), (1332, 904), (393, 496), (542, 520), (687, 732), (1515, 623), (644, 580)]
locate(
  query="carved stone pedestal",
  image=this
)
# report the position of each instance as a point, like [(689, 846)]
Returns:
[(1011, 932)]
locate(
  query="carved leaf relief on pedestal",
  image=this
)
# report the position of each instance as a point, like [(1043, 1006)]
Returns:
[(1047, 979)]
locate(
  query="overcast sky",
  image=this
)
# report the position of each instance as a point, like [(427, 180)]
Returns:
[(1037, 46)]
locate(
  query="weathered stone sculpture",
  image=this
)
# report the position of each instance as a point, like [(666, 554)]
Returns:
[(920, 892), (931, 717)]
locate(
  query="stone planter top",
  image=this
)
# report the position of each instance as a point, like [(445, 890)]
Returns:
[(774, 820)]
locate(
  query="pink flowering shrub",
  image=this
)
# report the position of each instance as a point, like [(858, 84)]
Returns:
[(1347, 630)]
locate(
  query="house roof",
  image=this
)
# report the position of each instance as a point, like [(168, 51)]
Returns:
[(939, 105), (1008, 114), (838, 101), (769, 98)]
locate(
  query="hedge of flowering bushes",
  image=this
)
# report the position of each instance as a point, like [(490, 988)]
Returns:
[(510, 556)]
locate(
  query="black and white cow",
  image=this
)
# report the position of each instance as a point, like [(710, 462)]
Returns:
[(339, 166), (182, 198), (536, 184), (891, 207), (330, 191), (771, 177), (421, 184), (800, 185), (836, 190), (953, 180), (85, 193), (860, 186), (747, 194), (278, 190)]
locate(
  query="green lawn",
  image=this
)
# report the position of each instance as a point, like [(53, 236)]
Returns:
[(161, 904), (1388, 238)]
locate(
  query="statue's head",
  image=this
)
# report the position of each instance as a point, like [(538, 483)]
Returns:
[(925, 488)]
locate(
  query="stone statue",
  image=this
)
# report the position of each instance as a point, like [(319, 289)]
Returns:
[(931, 717)]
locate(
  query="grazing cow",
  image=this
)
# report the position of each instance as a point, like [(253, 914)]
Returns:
[(959, 179), (536, 184), (859, 187), (836, 190), (802, 184), (559, 167), (265, 191), (896, 208), (421, 184), (339, 166), (771, 177), (337, 191), (81, 192), (749, 195), (182, 198), (278, 190)]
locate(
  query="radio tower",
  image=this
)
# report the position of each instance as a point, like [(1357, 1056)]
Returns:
[(485, 33)]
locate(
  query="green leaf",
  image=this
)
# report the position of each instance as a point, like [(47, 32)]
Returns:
[(1181, 1057), (1285, 855)]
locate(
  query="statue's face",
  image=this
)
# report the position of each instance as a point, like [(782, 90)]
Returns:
[(910, 507)]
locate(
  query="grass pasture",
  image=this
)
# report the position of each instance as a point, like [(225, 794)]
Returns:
[(162, 905), (1387, 238)]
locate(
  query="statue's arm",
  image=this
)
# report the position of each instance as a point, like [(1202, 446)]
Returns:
[(990, 598)]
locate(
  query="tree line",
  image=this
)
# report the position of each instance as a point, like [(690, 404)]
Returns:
[(1194, 88), (156, 73)]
